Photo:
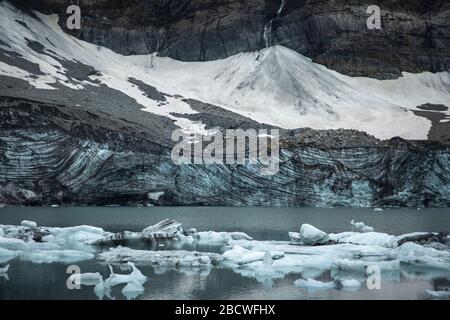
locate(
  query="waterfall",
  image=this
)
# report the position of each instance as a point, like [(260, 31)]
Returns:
[(268, 26)]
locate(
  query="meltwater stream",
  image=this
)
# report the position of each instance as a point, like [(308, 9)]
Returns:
[(29, 280)]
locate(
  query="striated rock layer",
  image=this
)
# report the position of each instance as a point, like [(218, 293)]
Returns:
[(52, 155), (415, 34)]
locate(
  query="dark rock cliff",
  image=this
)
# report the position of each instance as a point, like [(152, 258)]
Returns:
[(415, 34), (51, 155)]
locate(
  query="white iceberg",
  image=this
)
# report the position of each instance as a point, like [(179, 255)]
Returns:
[(360, 227), (362, 266), (102, 290), (166, 229), (133, 289), (136, 274), (7, 255), (311, 284), (28, 224), (47, 245), (241, 255), (52, 256), (415, 254), (115, 279), (369, 238), (310, 235), (179, 258), (295, 236), (212, 237), (86, 279)]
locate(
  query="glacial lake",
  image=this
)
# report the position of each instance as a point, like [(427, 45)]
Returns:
[(48, 281)]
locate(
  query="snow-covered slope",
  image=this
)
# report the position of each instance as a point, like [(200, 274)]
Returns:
[(275, 86)]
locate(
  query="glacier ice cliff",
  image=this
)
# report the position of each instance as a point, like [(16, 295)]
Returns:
[(51, 155)]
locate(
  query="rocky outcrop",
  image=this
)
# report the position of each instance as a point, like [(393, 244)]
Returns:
[(52, 155), (415, 34)]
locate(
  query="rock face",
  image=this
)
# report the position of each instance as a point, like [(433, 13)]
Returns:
[(415, 34), (50, 155)]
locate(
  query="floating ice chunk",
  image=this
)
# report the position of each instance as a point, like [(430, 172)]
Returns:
[(20, 245), (86, 279), (51, 256), (136, 274), (378, 209), (41, 244), (348, 284), (438, 294), (101, 290), (425, 238), (235, 253), (82, 233), (133, 289), (415, 254), (368, 238), (28, 224), (295, 237), (166, 229), (213, 237), (310, 235), (178, 258), (7, 255), (311, 284), (4, 272), (251, 256), (267, 260), (361, 266), (116, 238), (360, 227), (115, 279), (241, 255)]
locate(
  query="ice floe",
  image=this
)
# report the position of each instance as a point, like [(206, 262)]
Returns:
[(115, 279), (342, 258), (133, 289), (179, 258), (310, 235), (86, 279), (418, 255), (29, 242), (369, 239), (360, 227), (213, 237), (7, 255), (314, 285)]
